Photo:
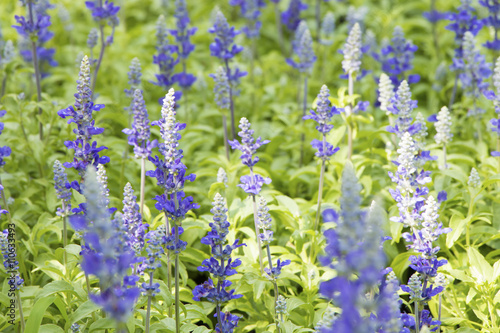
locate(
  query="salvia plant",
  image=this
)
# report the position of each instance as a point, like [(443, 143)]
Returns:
[(291, 16)]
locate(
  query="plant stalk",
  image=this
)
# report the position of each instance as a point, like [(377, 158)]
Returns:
[(348, 116), (226, 144), (276, 291), (259, 243), (148, 311), (277, 15), (21, 314), (38, 78), (101, 55), (303, 136), (143, 184), (231, 101), (320, 191)]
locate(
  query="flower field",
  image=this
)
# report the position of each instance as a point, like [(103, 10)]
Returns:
[(283, 166)]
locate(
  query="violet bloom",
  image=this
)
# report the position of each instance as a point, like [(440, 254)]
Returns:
[(5, 151), (139, 135), (107, 254), (303, 50), (291, 16), (182, 36), (353, 250), (104, 13), (220, 265), (9, 259), (250, 10), (36, 29), (494, 95), (462, 21), (402, 106), (164, 57), (397, 58), (252, 183), (473, 71), (493, 20), (86, 151)]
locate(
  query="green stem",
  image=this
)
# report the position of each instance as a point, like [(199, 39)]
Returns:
[(417, 319), (439, 312), (231, 101), (4, 84), (65, 233), (177, 312), (169, 263), (318, 20), (444, 155), (101, 55), (277, 15), (348, 116), (259, 243), (21, 314), (320, 189), (226, 144), (276, 291)]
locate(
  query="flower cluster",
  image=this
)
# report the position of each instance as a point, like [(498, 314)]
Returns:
[(164, 57), (352, 51), (493, 20), (443, 127), (327, 28), (251, 184), (63, 189), (132, 221), (104, 13), (291, 16), (221, 88), (396, 58), (224, 47), (220, 266), (86, 151), (250, 10), (134, 78), (34, 27), (323, 116), (138, 135), (7, 51), (182, 36), (170, 172), (353, 250), (463, 21), (10, 263), (356, 15), (402, 105), (303, 49), (473, 70), (385, 93), (154, 249)]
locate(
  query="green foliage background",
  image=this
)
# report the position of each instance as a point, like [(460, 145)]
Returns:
[(54, 295)]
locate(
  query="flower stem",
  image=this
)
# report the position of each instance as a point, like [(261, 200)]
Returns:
[(176, 231), (5, 204), (444, 155), (21, 315), (37, 72), (148, 310), (259, 243), (417, 319), (453, 93), (276, 291), (169, 263), (318, 20), (101, 55), (439, 313), (65, 233), (226, 144), (231, 101), (143, 184), (320, 191), (303, 136), (4, 84)]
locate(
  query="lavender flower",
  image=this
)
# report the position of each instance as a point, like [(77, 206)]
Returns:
[(291, 16), (304, 52), (352, 51), (435, 16), (402, 105), (92, 39), (493, 20), (184, 46), (221, 88), (461, 22), (397, 58), (220, 266), (264, 222), (5, 151), (250, 10), (385, 93), (353, 250), (443, 127), (63, 190), (323, 116), (327, 29), (108, 257), (10, 263), (473, 69), (104, 13), (222, 176), (164, 57), (7, 53), (474, 179), (356, 15), (132, 221), (252, 183), (134, 78), (154, 249), (139, 135), (86, 151), (34, 27)]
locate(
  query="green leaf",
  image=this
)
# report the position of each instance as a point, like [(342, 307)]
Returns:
[(37, 313), (401, 263), (54, 288), (102, 324), (83, 311), (51, 328), (480, 268), (457, 224)]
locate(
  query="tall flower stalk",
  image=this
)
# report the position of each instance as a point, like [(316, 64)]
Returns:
[(170, 174), (251, 184), (323, 116), (443, 131), (103, 12), (220, 266), (305, 59), (279, 30), (33, 27), (273, 272), (138, 136), (351, 66), (63, 192), (494, 95), (222, 99), (225, 49)]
